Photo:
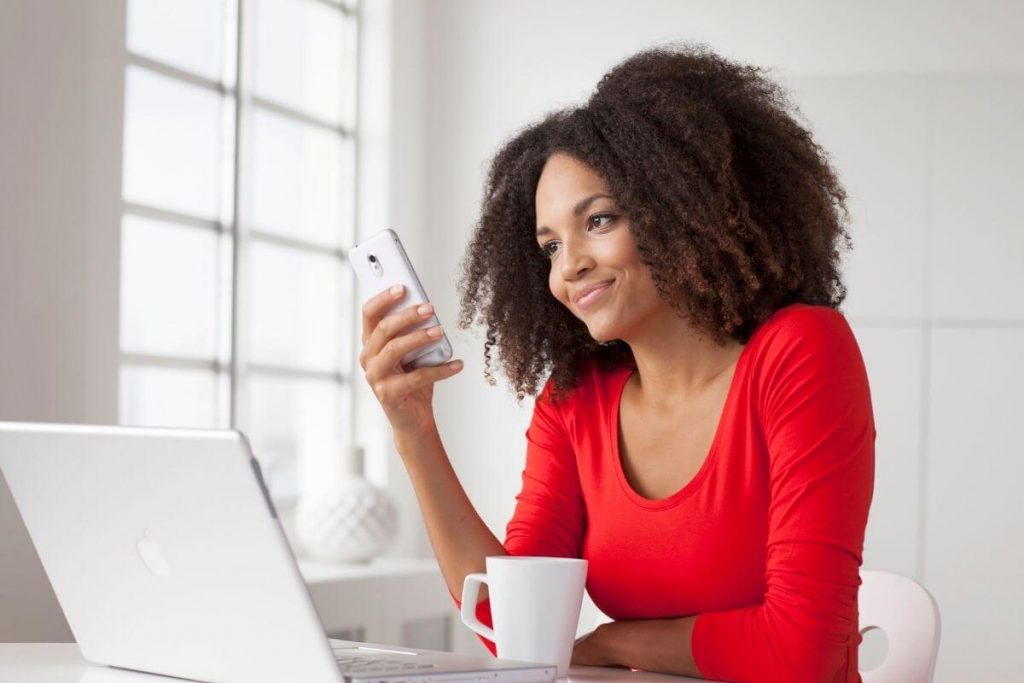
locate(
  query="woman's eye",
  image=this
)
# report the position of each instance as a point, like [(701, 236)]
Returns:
[(597, 221)]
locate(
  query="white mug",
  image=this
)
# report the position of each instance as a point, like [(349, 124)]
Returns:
[(535, 605)]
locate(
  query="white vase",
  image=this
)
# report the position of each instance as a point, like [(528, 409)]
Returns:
[(347, 519)]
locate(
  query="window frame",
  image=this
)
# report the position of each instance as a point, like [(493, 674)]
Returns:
[(231, 363)]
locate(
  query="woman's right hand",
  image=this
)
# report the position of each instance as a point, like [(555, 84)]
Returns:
[(406, 396)]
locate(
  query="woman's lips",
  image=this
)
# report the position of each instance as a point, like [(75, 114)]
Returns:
[(592, 296)]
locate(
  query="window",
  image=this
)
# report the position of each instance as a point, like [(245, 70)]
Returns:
[(237, 304)]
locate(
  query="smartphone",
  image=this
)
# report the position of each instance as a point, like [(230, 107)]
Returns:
[(381, 262)]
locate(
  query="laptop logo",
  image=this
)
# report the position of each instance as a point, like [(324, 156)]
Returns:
[(152, 555)]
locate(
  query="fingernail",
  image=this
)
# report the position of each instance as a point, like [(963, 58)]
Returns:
[(434, 332), (455, 365), (396, 290), (424, 309)]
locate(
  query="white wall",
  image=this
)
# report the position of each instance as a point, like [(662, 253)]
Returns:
[(920, 104), (61, 75)]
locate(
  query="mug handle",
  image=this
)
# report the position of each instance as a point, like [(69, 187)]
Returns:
[(470, 593)]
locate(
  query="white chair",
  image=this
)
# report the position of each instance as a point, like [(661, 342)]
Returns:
[(909, 616)]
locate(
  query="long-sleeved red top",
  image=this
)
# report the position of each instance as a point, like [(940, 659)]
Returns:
[(763, 544)]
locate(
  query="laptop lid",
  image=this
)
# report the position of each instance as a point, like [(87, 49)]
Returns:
[(156, 542)]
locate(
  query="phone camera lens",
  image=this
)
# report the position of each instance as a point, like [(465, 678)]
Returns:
[(373, 259)]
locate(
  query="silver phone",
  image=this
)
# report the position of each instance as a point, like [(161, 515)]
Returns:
[(380, 262)]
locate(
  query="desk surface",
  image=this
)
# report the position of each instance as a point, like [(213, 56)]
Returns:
[(62, 663)]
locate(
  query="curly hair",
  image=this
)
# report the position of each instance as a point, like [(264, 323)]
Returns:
[(733, 207)]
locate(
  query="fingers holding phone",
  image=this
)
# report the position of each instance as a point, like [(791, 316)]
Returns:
[(381, 328), (404, 392), (381, 263)]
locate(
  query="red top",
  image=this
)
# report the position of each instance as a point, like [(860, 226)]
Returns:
[(763, 544)]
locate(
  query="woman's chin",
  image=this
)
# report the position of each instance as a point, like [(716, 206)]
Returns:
[(602, 326), (602, 335)]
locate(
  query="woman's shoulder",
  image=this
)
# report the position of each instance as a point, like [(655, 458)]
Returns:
[(594, 381), (802, 325), (802, 340)]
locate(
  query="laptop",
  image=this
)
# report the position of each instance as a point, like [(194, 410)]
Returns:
[(165, 552)]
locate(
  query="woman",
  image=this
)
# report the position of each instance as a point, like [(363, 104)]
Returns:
[(667, 255)]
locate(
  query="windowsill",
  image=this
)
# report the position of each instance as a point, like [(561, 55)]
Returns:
[(385, 590), (317, 572)]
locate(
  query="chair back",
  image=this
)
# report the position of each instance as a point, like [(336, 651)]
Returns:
[(909, 616)]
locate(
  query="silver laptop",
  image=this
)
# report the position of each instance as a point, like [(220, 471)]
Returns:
[(166, 555)]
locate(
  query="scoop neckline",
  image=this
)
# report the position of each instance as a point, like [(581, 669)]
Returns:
[(709, 460)]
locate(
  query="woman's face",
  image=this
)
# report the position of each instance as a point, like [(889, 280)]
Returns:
[(588, 240)]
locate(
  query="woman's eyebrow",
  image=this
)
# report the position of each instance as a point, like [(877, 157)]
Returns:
[(581, 205)]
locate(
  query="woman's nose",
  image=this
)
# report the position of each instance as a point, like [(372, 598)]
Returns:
[(575, 261)]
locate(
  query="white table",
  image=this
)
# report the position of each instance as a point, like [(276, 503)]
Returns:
[(62, 663)]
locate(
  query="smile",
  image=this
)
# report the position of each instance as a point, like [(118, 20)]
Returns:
[(589, 300)]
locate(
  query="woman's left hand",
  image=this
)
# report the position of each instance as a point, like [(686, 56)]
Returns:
[(592, 649)]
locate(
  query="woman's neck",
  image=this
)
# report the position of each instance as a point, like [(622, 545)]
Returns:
[(676, 361)]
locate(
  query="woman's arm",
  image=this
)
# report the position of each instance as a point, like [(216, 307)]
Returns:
[(459, 537), (815, 411), (461, 540), (662, 645), (549, 517)]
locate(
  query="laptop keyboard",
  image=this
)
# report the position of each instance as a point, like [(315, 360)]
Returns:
[(376, 664)]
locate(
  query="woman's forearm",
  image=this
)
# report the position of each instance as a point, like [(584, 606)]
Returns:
[(659, 645), (459, 537)]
